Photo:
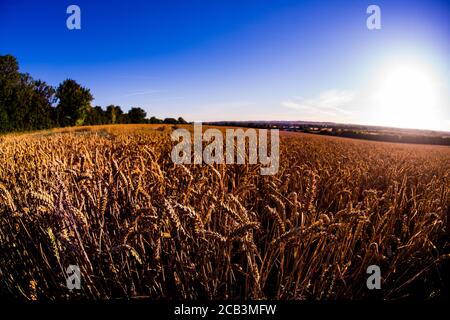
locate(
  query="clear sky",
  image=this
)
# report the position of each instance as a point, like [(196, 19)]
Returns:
[(245, 60)]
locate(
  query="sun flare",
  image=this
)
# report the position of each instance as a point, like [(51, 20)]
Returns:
[(407, 97)]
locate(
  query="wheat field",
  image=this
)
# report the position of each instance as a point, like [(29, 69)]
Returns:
[(109, 200)]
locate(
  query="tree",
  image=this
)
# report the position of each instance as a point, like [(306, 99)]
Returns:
[(9, 70), (97, 115), (74, 103), (40, 111), (113, 112), (170, 121), (181, 121), (123, 118), (137, 115), (9, 81), (25, 103), (155, 120)]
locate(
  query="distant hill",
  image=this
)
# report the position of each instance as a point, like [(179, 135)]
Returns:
[(377, 133)]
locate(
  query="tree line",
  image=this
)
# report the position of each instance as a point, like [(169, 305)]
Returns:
[(29, 104)]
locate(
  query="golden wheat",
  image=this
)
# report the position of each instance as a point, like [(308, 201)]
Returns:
[(110, 200)]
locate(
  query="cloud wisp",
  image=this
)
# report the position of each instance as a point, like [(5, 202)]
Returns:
[(331, 102), (141, 92)]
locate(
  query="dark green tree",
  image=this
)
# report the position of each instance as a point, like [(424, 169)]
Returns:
[(25, 103), (181, 121), (114, 112), (74, 103), (123, 118), (155, 120), (137, 115), (96, 116), (170, 121), (40, 111), (9, 81)]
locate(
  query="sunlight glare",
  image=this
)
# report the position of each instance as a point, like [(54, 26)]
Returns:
[(407, 97)]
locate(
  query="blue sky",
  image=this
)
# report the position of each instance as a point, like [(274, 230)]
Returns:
[(243, 60)]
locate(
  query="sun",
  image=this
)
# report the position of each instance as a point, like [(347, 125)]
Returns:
[(407, 97)]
